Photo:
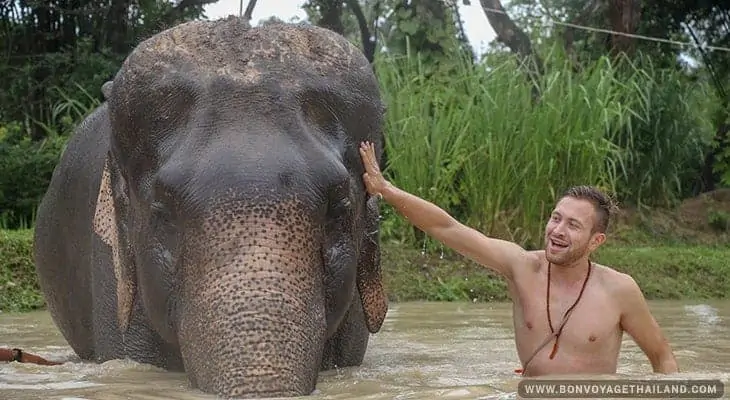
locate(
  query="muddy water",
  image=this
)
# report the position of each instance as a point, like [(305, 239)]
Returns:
[(425, 350)]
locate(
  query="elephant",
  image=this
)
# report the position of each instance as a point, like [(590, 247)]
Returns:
[(210, 216)]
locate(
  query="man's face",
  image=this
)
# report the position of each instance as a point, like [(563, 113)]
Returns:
[(568, 233)]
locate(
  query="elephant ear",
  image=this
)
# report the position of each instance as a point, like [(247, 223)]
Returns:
[(110, 224), (369, 276)]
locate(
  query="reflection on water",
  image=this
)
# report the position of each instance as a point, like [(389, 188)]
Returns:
[(425, 350)]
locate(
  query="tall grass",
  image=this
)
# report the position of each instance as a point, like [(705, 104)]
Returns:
[(474, 142), (666, 138)]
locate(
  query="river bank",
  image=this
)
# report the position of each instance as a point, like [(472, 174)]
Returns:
[(667, 272), (680, 254)]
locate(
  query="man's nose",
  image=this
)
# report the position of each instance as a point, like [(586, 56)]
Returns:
[(559, 229)]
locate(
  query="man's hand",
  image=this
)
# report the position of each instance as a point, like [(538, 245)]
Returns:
[(375, 183)]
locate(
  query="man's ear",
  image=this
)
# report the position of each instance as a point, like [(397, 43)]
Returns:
[(598, 239)]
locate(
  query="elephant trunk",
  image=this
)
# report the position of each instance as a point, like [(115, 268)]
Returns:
[(252, 318)]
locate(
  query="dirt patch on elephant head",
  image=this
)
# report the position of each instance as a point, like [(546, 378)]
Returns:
[(231, 47), (283, 70)]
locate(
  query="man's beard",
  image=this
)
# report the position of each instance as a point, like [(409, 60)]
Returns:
[(566, 257)]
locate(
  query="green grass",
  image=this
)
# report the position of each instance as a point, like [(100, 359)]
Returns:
[(663, 272)]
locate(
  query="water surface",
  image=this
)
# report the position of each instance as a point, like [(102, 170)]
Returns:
[(424, 350)]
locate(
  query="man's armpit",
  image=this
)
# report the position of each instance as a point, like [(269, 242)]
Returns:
[(528, 264)]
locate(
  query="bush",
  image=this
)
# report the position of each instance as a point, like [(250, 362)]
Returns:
[(19, 290), (666, 134), (26, 168)]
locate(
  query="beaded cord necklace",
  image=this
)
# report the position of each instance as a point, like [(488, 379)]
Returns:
[(566, 315)]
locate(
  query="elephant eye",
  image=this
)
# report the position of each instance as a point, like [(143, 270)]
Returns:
[(321, 114), (160, 210), (340, 201), (157, 206)]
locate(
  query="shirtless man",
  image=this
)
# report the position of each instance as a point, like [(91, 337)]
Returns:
[(544, 285)]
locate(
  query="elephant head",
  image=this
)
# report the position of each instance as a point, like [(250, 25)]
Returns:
[(233, 202)]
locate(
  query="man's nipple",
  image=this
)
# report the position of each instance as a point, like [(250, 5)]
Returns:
[(592, 338)]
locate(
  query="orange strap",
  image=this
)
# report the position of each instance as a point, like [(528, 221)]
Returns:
[(10, 355)]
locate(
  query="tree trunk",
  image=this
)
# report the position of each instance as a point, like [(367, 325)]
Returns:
[(515, 38)]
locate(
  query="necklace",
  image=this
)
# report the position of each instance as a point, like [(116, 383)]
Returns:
[(567, 312)]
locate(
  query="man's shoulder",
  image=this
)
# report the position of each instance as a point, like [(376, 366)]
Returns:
[(537, 254), (617, 281), (531, 260), (536, 257)]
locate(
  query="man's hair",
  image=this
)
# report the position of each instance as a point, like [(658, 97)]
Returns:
[(603, 204)]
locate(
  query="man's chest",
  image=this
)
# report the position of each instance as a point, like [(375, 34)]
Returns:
[(592, 323)]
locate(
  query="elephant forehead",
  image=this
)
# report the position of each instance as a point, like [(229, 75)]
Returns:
[(231, 48)]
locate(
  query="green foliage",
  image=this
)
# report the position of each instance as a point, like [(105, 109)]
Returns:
[(673, 273), (79, 72), (80, 44), (430, 27), (427, 27), (722, 146), (26, 168), (719, 220), (667, 131), (19, 290)]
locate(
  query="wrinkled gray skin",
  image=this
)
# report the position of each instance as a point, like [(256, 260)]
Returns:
[(211, 216)]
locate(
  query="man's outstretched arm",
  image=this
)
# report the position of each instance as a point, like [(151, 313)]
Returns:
[(499, 255), (637, 321)]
